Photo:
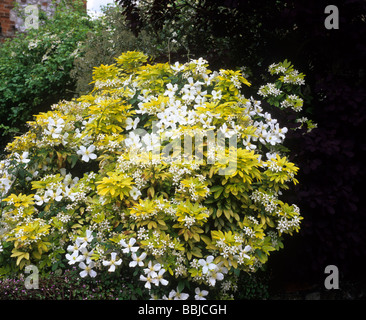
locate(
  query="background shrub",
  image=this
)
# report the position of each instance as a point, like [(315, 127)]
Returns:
[(35, 66), (67, 285)]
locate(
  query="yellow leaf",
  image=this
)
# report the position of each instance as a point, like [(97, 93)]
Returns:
[(227, 214), (19, 259), (17, 253), (37, 255), (196, 237), (218, 213), (151, 192), (189, 255), (186, 236)]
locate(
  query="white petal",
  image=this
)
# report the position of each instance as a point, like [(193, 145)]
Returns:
[(83, 274), (93, 274)]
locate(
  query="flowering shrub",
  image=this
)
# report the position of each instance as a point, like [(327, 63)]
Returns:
[(166, 170)]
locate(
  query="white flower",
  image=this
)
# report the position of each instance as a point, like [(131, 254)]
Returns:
[(225, 130), (248, 145), (132, 124), (69, 194), (129, 247), (152, 269), (200, 295), (159, 278), (87, 269), (39, 200), (73, 257), (58, 194), (73, 248), (82, 242), (149, 280), (170, 92), (213, 276), (133, 141), (216, 95), (177, 67), (135, 193), (151, 141), (220, 267), (24, 157), (271, 156), (207, 264), (54, 129), (176, 295), (112, 263), (86, 255), (137, 260), (87, 153), (246, 249)]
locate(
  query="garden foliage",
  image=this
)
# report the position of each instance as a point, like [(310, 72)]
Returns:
[(167, 170), (35, 66)]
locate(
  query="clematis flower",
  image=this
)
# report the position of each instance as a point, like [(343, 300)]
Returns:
[(22, 158), (149, 280), (151, 141), (73, 248), (73, 257), (137, 260), (152, 269), (176, 295), (128, 247), (133, 141), (213, 276), (207, 264), (135, 193), (54, 128), (87, 153), (216, 95), (82, 242), (132, 124), (87, 269), (200, 294), (86, 255), (112, 263), (159, 278), (39, 200)]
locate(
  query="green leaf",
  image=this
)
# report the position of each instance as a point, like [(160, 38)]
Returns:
[(181, 286)]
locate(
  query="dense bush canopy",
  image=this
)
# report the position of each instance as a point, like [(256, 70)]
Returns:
[(110, 180)]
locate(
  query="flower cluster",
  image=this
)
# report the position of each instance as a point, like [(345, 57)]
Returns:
[(269, 90), (281, 92), (135, 176)]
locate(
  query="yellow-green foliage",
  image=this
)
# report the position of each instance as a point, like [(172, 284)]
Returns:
[(107, 172)]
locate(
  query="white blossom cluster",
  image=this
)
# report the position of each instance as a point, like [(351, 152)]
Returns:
[(269, 90), (22, 232), (269, 202), (285, 225), (208, 271)]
